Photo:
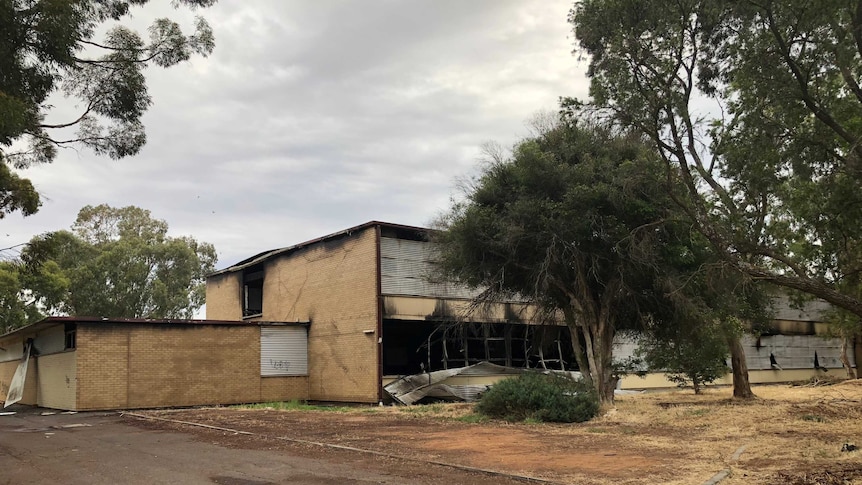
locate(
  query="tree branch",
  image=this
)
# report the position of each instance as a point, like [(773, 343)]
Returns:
[(802, 84), (71, 123)]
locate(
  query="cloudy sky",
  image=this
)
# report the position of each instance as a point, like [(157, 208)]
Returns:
[(311, 117)]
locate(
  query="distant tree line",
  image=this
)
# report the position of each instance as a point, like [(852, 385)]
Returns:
[(114, 262)]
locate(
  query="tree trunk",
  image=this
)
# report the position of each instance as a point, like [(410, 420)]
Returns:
[(605, 383), (595, 357), (851, 374), (741, 386), (580, 358), (599, 352)]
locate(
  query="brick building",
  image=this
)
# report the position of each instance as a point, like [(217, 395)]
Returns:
[(93, 363), (373, 312)]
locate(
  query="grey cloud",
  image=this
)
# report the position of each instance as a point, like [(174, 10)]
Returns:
[(311, 117)]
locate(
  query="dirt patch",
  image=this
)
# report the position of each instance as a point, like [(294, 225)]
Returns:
[(516, 449), (672, 437)]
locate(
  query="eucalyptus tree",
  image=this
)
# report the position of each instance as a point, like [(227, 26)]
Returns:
[(115, 262), (579, 221), (51, 48), (757, 106)]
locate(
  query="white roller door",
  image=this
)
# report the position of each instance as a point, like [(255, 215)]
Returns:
[(284, 351)]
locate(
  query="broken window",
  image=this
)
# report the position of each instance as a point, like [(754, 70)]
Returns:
[(71, 336), (411, 347), (252, 291)]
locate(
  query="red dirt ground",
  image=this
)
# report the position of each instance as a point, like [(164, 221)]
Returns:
[(531, 450)]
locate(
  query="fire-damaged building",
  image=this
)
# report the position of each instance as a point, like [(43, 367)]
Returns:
[(353, 316), (375, 314), (378, 314)]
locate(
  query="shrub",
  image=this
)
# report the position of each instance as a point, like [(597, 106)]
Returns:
[(694, 354), (540, 397)]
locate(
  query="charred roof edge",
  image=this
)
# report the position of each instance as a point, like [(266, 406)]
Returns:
[(266, 255)]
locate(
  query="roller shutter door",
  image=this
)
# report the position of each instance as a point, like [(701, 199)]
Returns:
[(283, 351)]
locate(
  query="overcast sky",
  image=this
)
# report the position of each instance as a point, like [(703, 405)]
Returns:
[(311, 117)]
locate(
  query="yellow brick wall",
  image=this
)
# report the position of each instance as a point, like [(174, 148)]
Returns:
[(186, 366), (162, 365), (223, 297), (333, 284), (102, 366), (285, 388), (57, 380)]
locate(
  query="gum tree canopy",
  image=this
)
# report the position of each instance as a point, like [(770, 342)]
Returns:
[(115, 262), (758, 106), (50, 46), (579, 221)]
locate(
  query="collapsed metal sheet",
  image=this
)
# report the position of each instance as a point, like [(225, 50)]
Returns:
[(410, 389), (16, 387)]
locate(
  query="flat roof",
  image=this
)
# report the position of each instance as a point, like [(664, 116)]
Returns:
[(261, 257), (53, 321)]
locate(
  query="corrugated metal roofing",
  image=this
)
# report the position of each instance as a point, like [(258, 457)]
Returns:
[(405, 267)]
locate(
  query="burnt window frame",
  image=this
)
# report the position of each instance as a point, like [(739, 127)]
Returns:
[(252, 277)]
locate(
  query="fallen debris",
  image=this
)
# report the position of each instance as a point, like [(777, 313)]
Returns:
[(75, 425), (411, 389)]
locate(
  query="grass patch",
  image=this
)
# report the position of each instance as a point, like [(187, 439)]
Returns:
[(473, 418), (436, 408), (697, 412), (815, 418), (294, 405)]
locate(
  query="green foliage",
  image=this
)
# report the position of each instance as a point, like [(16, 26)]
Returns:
[(15, 311), (49, 47), (688, 354), (773, 173), (117, 262), (582, 221), (578, 220), (540, 397)]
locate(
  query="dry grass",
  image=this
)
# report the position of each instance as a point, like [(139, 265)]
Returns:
[(787, 429), (791, 434)]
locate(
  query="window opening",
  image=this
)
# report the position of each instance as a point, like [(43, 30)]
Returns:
[(70, 341), (252, 291)]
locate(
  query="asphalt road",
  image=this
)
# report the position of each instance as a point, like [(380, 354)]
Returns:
[(101, 448)]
